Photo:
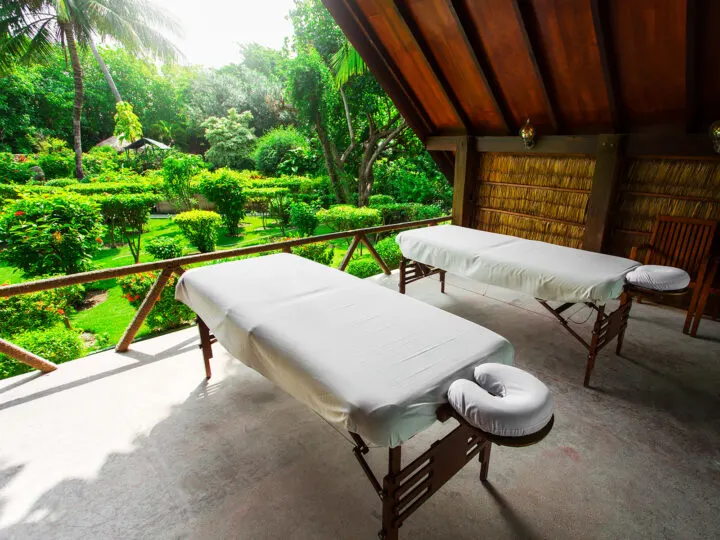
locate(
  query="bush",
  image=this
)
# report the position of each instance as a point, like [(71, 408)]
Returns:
[(163, 248), (56, 345), (320, 252), (282, 150), (38, 310), (128, 214), (224, 188), (101, 159), (57, 164), (15, 171), (231, 139), (167, 312), (304, 218), (279, 210), (396, 212), (427, 211), (200, 227), (177, 172), (389, 251), (51, 234), (61, 182), (415, 179), (345, 217), (377, 200), (363, 268)]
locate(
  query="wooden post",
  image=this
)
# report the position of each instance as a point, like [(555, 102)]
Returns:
[(607, 177), (464, 182), (349, 253), (144, 310), (375, 255), (26, 357)]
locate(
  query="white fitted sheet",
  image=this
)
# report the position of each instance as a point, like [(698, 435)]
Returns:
[(539, 269), (365, 358)]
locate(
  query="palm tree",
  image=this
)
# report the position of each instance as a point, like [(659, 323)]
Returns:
[(30, 28)]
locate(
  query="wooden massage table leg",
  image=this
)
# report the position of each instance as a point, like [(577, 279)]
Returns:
[(403, 270), (206, 341), (442, 281), (485, 461)]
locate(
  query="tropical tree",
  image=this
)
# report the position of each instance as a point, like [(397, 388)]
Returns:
[(29, 28)]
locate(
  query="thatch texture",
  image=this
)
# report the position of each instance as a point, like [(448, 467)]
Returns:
[(691, 189), (536, 197)]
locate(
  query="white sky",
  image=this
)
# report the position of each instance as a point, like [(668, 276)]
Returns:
[(214, 28)]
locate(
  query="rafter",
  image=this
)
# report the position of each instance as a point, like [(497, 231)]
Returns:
[(549, 102), (479, 58), (403, 13), (605, 50)]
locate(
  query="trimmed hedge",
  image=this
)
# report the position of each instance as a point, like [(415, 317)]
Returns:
[(345, 217), (200, 227), (389, 251), (363, 268), (320, 252)]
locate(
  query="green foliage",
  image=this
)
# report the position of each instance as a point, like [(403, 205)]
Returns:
[(377, 200), (396, 212), (51, 234), (363, 268), (310, 87), (101, 159), (345, 217), (231, 140), (279, 210), (61, 182), (56, 165), (167, 313), (282, 150), (13, 171), (224, 189), (200, 227), (115, 188), (413, 180), (304, 218), (56, 345), (49, 145), (427, 211), (177, 172), (389, 251), (163, 248), (38, 310), (128, 128), (127, 213), (320, 252)]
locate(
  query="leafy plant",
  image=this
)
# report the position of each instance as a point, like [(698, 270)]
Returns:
[(427, 211), (346, 217), (38, 310), (101, 159), (320, 252), (377, 200), (224, 189), (363, 268), (177, 172), (51, 234), (396, 212), (61, 182), (304, 218), (389, 252), (56, 165), (282, 150), (128, 128), (56, 345), (200, 227), (128, 213), (13, 171), (279, 210), (163, 248), (231, 139), (167, 312)]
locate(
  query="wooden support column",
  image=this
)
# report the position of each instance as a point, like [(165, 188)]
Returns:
[(607, 177), (464, 182), (26, 357)]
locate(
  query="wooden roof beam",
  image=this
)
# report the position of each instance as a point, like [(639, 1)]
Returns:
[(607, 60), (407, 19), (691, 83), (549, 102), (479, 58)]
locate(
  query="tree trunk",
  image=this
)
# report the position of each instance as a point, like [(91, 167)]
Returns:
[(67, 30), (104, 69), (376, 143), (335, 180)]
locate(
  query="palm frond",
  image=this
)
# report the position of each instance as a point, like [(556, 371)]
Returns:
[(346, 63)]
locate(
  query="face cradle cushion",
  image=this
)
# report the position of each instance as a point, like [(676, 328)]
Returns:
[(502, 400), (658, 278)]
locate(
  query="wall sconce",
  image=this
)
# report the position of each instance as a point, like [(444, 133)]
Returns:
[(715, 135), (527, 134)]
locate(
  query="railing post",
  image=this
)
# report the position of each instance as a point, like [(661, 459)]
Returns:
[(349, 252), (26, 357), (375, 255), (144, 310)]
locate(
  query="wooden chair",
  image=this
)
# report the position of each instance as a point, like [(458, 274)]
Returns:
[(683, 243)]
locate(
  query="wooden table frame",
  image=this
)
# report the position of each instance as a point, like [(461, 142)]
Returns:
[(405, 489)]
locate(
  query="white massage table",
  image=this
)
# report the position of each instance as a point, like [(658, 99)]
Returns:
[(369, 361), (545, 271)]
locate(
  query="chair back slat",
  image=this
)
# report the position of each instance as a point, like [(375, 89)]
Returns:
[(681, 242)]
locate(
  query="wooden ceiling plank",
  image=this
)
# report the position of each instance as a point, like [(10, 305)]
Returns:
[(479, 59), (607, 60), (691, 86), (536, 66), (407, 19)]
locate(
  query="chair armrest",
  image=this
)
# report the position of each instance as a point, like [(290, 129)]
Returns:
[(634, 251)]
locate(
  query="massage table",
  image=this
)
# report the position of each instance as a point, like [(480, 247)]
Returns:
[(374, 364), (548, 272)]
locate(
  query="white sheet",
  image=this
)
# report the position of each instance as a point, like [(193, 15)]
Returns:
[(539, 269), (659, 278), (365, 358)]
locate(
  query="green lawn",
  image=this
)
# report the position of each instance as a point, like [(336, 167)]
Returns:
[(111, 317)]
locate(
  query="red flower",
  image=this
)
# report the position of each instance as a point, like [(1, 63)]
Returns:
[(19, 213), (98, 240), (61, 311)]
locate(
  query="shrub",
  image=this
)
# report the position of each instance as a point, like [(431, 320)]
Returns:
[(396, 212), (224, 188), (51, 234), (344, 217), (163, 248), (100, 159), (389, 251), (376, 200), (167, 312), (38, 310), (200, 227), (304, 218), (110, 188), (57, 345), (128, 214), (363, 268), (231, 139), (279, 210), (61, 182), (57, 164), (427, 211), (13, 171), (320, 252), (177, 172), (415, 179), (282, 148)]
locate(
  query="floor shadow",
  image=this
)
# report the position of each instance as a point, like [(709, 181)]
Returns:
[(520, 527)]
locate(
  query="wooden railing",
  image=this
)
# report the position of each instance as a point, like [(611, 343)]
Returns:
[(175, 266)]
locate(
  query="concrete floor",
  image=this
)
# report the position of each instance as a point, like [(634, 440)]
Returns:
[(140, 446)]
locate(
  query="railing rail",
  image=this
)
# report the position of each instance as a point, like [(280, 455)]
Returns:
[(169, 266)]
